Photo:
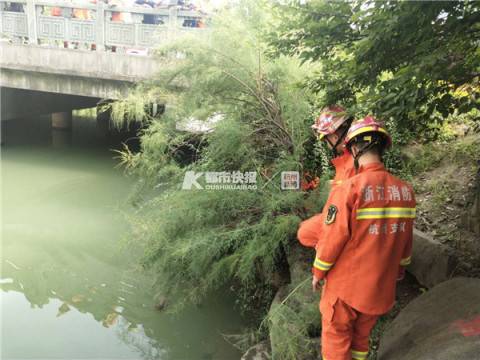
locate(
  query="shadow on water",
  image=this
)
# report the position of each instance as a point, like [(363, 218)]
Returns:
[(69, 288)]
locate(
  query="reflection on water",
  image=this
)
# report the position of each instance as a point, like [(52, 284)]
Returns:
[(68, 290), (66, 333)]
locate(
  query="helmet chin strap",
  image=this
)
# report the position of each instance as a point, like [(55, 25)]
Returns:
[(333, 147), (361, 152), (340, 139)]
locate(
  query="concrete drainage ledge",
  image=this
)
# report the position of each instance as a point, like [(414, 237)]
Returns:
[(432, 262)]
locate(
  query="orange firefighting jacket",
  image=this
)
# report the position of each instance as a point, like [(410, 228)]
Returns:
[(368, 234), (344, 168), (309, 231)]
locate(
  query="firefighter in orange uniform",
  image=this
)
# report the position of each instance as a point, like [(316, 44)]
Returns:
[(368, 230), (331, 126)]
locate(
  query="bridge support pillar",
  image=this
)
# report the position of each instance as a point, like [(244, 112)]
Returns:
[(62, 120)]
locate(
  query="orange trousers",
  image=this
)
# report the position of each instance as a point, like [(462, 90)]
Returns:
[(345, 331)]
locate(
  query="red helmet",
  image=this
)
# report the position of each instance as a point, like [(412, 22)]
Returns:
[(330, 119), (367, 125)]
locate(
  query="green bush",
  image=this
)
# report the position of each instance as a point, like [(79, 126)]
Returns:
[(202, 240)]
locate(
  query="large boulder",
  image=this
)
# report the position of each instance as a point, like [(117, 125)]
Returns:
[(432, 262), (442, 324)]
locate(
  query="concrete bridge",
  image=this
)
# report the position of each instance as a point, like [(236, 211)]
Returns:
[(62, 55)]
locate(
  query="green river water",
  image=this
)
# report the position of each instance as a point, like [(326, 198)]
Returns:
[(68, 286)]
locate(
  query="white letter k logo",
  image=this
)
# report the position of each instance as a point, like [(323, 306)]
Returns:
[(191, 179)]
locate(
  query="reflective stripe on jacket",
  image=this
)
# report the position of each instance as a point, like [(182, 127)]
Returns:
[(368, 233)]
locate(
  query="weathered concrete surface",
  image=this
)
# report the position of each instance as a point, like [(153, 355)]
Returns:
[(90, 64), (64, 84), (432, 263), (75, 72), (442, 324), (294, 323)]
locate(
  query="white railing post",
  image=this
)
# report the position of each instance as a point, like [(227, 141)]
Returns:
[(2, 8), (172, 23), (31, 21), (100, 27)]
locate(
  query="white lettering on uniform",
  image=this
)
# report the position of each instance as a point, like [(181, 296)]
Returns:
[(393, 228), (406, 195), (373, 229), (384, 228), (380, 192), (393, 193), (368, 194)]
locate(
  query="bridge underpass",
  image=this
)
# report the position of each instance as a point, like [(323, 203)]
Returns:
[(19, 103), (46, 80)]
